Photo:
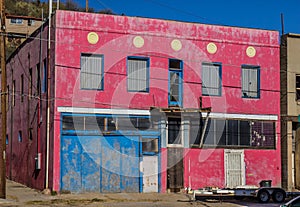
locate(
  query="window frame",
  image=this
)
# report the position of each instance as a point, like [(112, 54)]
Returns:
[(30, 22), (204, 92), (297, 88), (14, 93), (147, 59), (38, 79), (180, 133), (253, 67), (30, 83), (101, 87), (240, 136), (22, 87), (44, 77), (16, 21), (20, 137), (180, 83), (77, 123)]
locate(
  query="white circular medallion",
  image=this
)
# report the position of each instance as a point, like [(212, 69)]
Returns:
[(176, 45), (251, 52), (211, 48), (138, 42), (93, 38)]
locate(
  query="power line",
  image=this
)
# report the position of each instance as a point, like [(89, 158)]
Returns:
[(182, 11), (128, 52)]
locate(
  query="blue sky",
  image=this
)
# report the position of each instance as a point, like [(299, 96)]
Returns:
[(263, 14)]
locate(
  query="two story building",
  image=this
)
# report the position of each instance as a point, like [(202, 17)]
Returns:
[(130, 104), (18, 28), (290, 110)]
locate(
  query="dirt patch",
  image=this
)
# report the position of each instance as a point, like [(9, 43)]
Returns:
[(72, 202), (119, 200)]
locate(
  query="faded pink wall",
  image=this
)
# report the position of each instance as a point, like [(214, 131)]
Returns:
[(26, 114), (204, 168), (116, 34)]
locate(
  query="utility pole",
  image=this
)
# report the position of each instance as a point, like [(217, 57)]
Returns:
[(48, 96), (3, 103), (282, 24), (86, 5)]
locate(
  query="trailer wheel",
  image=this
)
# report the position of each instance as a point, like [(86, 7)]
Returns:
[(278, 196), (263, 196)]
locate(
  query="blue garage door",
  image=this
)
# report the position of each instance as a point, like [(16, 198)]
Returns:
[(100, 164)]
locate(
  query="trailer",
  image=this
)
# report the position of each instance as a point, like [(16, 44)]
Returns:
[(263, 194)]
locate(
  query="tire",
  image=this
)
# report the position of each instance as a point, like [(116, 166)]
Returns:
[(278, 196), (263, 196)]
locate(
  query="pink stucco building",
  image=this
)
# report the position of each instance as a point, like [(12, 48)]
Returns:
[(129, 101)]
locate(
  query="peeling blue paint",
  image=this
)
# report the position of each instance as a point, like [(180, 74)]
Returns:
[(100, 164)]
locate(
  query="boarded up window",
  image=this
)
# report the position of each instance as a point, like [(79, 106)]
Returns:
[(211, 79), (250, 81), (91, 73), (137, 74)]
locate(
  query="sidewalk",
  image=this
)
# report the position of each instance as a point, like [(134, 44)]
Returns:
[(20, 195)]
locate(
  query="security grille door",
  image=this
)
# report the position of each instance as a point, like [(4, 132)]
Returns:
[(234, 168)]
